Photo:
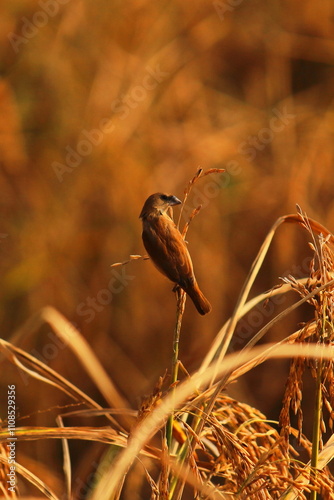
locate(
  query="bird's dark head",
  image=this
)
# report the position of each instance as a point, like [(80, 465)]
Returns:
[(158, 203)]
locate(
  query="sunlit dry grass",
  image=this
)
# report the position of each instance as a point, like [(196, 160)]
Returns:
[(105, 104), (222, 447)]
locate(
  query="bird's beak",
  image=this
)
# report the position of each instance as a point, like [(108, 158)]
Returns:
[(174, 201)]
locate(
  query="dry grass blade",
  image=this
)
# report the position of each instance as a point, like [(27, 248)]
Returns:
[(163, 479), (286, 311), (100, 434), (224, 336), (131, 259), (43, 372), (327, 453), (67, 468), (33, 479), (73, 339), (246, 367), (108, 485), (156, 492), (312, 224), (101, 412), (211, 354)]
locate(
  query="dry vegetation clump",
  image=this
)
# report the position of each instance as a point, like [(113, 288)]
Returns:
[(101, 104), (193, 440), (318, 331)]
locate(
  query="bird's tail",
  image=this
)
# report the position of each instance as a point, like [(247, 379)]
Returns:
[(202, 304)]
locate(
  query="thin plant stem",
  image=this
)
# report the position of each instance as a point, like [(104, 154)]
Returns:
[(316, 427), (181, 300), (316, 432)]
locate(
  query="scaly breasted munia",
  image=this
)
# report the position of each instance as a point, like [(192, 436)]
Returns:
[(167, 248)]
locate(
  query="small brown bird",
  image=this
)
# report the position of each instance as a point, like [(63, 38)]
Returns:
[(167, 249)]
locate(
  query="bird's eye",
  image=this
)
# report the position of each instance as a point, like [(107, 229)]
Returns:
[(164, 197)]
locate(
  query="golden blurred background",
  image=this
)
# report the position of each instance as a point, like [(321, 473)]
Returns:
[(103, 103)]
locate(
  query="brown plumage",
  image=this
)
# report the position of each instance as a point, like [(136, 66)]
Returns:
[(167, 249)]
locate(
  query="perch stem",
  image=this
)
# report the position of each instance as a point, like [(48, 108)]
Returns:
[(181, 299)]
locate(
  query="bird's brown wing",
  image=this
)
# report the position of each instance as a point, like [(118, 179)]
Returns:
[(167, 249)]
